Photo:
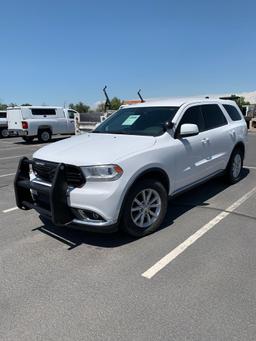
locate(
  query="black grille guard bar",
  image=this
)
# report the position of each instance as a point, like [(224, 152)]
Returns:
[(60, 212)]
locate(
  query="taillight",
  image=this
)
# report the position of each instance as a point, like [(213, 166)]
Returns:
[(24, 125)]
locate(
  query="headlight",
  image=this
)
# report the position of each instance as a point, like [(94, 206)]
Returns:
[(102, 173)]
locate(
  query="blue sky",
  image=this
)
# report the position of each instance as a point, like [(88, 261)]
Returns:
[(65, 51)]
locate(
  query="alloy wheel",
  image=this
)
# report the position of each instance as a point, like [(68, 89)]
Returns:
[(146, 208)]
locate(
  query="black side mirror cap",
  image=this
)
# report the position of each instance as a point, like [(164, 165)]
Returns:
[(168, 125)]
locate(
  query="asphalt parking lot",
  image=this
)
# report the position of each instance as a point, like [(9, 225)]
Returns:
[(194, 279)]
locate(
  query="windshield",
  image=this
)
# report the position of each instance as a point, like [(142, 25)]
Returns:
[(147, 121)]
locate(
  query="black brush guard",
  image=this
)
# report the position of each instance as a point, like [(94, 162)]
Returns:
[(56, 194)]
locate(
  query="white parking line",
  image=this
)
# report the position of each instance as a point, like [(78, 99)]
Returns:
[(4, 175), (6, 142), (10, 209), (11, 148), (163, 262), (22, 147), (250, 167), (10, 157)]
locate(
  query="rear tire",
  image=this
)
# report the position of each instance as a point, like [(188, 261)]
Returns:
[(235, 166), (28, 139), (44, 136), (4, 133), (144, 208)]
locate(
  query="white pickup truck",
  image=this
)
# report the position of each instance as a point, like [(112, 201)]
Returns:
[(41, 122), (85, 122), (3, 124)]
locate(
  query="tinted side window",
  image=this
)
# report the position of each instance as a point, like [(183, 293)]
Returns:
[(71, 114), (43, 111), (193, 115), (3, 115), (213, 116), (233, 112)]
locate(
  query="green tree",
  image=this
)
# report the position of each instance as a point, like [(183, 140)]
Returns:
[(12, 105), (3, 106), (101, 107), (80, 107), (26, 105), (115, 103), (240, 100)]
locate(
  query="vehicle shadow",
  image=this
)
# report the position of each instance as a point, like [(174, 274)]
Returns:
[(177, 207), (196, 197)]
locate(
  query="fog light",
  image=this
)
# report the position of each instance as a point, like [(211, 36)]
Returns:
[(95, 216), (82, 213), (87, 215)]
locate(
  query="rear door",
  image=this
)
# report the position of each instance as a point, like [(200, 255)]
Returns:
[(14, 118), (218, 136), (60, 122)]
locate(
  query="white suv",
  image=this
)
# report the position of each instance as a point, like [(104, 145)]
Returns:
[(122, 173)]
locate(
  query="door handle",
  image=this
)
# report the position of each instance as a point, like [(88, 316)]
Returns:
[(232, 133), (205, 140)]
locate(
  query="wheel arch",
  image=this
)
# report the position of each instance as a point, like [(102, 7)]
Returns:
[(150, 173), (44, 127), (239, 145)]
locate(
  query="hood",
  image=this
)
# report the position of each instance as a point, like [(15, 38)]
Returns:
[(93, 149)]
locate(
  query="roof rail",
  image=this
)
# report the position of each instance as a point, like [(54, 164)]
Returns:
[(232, 97)]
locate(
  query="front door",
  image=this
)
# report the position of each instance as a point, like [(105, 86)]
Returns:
[(191, 153), (71, 122)]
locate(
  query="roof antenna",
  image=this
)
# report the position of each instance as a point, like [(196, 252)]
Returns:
[(141, 99), (107, 103)]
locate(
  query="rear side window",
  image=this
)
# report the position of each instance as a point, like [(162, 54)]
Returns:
[(232, 112), (2, 114), (43, 112), (213, 116), (193, 115)]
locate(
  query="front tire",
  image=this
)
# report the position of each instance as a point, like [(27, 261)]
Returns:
[(145, 208), (235, 166)]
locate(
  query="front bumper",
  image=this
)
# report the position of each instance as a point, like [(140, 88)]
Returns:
[(53, 200)]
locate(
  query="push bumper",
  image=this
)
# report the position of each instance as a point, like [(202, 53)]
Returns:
[(51, 201)]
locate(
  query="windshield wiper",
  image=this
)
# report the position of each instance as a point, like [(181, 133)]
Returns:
[(118, 132), (109, 132)]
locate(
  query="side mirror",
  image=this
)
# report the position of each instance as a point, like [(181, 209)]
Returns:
[(187, 130), (168, 125)]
